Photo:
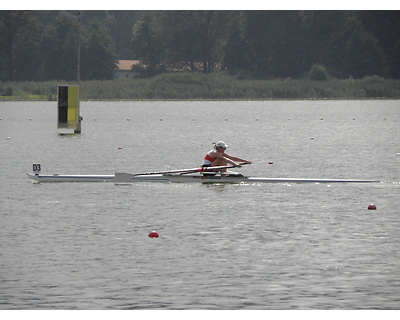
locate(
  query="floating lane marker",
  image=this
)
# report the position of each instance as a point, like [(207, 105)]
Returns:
[(153, 234)]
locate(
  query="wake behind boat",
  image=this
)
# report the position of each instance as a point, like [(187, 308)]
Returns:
[(202, 175)]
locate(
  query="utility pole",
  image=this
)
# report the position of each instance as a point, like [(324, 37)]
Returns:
[(78, 74)]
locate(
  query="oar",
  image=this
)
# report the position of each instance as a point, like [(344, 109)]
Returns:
[(201, 169)]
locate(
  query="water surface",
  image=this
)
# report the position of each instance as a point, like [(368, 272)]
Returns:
[(257, 246)]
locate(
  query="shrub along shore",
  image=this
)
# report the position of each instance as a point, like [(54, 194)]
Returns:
[(216, 86)]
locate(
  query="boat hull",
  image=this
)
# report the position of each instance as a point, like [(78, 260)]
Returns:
[(126, 178), (123, 178), (70, 178)]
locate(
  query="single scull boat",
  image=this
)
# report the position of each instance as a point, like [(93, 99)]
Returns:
[(202, 175)]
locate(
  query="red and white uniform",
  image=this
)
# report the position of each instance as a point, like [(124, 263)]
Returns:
[(208, 160)]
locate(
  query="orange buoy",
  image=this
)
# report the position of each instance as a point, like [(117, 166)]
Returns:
[(372, 207), (153, 234)]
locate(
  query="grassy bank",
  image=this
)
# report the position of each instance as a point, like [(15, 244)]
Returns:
[(197, 86)]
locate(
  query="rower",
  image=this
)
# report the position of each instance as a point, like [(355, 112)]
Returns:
[(218, 157)]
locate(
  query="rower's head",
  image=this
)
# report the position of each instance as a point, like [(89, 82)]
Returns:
[(221, 144)]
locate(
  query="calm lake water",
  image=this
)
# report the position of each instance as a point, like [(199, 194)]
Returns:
[(252, 246)]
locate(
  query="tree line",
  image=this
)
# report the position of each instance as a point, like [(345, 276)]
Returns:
[(43, 45)]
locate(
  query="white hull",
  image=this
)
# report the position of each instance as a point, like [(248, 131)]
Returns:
[(125, 178), (70, 178)]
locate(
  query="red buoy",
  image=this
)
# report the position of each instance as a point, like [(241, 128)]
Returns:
[(372, 207), (153, 234)]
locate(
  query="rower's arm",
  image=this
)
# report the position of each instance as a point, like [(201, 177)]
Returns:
[(225, 158), (236, 158), (231, 161)]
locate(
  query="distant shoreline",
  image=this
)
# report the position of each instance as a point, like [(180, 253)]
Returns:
[(212, 87), (43, 99)]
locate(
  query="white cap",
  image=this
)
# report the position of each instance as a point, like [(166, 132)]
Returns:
[(221, 144)]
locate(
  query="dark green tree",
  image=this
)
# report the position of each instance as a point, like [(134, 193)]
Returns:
[(275, 43), (180, 39), (234, 49), (385, 26), (212, 27), (287, 41), (362, 54), (324, 38), (42, 45), (98, 54), (29, 62), (181, 36), (395, 60), (59, 47), (121, 31), (318, 73), (17, 29), (256, 30), (147, 44)]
